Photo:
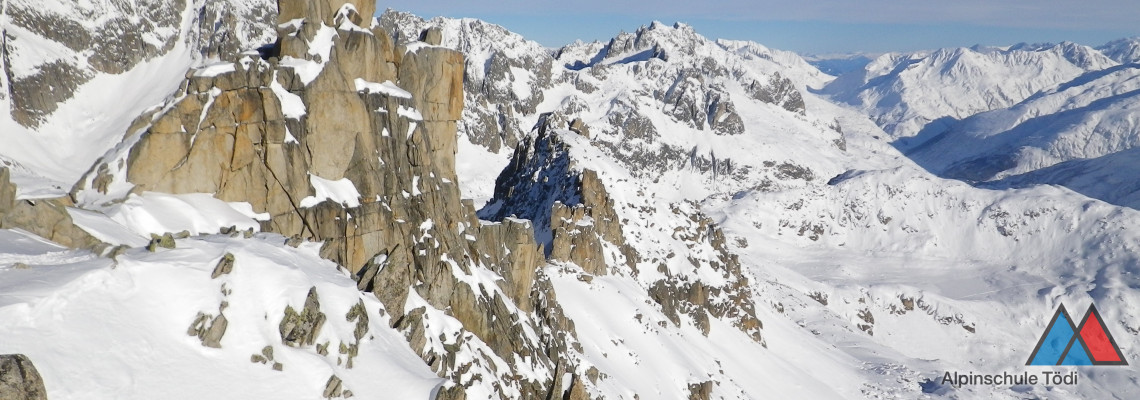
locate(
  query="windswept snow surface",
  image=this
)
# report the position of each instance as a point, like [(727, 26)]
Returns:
[(98, 328)]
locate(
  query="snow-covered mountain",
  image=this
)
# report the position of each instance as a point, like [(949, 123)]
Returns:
[(846, 254), (1124, 51), (658, 216), (1078, 134), (62, 61), (905, 93)]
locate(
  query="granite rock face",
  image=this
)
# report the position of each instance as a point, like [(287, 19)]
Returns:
[(571, 209), (508, 82)]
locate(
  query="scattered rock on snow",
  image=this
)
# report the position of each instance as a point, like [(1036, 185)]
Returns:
[(301, 329), (225, 266)]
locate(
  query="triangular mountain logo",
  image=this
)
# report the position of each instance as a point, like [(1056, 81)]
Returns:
[(1066, 343)]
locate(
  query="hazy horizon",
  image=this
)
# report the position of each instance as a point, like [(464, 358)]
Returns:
[(812, 30)]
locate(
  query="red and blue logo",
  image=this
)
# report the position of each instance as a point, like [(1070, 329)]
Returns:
[(1066, 343)]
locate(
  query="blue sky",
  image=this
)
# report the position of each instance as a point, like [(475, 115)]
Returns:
[(814, 27)]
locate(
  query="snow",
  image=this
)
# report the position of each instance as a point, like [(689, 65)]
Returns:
[(69, 315), (305, 69), (409, 113), (198, 213), (292, 106), (386, 88), (641, 359), (106, 229), (322, 43), (341, 191), (477, 169), (904, 92), (415, 47), (247, 210), (416, 186), (215, 69), (293, 24)]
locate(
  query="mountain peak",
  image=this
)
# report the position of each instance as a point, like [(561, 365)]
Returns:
[(1124, 51)]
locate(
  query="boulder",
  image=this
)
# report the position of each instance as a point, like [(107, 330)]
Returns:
[(19, 379), (301, 329), (47, 218), (224, 267), (432, 36), (579, 127)]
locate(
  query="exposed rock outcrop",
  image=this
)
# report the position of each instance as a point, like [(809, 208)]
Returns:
[(577, 220), (19, 379), (44, 217), (209, 330), (300, 329), (489, 83), (571, 209), (224, 267)]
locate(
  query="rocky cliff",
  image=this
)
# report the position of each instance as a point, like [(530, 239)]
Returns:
[(338, 108)]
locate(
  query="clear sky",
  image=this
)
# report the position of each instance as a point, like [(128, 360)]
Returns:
[(809, 26)]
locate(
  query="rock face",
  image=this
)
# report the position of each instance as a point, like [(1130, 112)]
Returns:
[(577, 221), (571, 210), (491, 91), (19, 379), (336, 103), (324, 11)]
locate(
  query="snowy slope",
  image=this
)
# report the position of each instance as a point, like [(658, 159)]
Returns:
[(1089, 117), (1124, 51), (903, 92), (1108, 178), (117, 328)]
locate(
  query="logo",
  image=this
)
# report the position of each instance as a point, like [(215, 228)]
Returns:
[(1066, 343)]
